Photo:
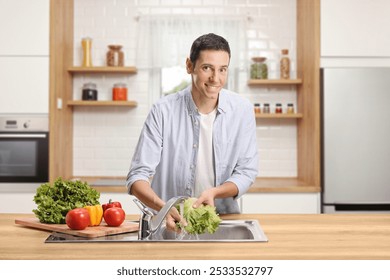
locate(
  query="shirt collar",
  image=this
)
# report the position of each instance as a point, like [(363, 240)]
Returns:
[(222, 101)]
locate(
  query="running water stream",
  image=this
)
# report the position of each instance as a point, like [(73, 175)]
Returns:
[(184, 235)]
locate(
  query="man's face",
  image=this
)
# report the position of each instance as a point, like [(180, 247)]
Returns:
[(209, 74)]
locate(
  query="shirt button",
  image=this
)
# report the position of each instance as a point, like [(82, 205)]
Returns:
[(196, 122), (192, 166), (195, 145)]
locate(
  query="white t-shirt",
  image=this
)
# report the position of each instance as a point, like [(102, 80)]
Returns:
[(204, 173)]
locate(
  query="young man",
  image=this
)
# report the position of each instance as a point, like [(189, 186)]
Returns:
[(199, 142)]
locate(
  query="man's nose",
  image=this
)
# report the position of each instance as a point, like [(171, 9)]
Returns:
[(213, 75)]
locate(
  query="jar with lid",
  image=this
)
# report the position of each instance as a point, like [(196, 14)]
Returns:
[(86, 44), (266, 109), (259, 69), (290, 108), (115, 56), (89, 91), (257, 108), (278, 108), (285, 65), (119, 92)]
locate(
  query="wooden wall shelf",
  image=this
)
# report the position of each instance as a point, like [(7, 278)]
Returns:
[(261, 184), (274, 82), (102, 103), (278, 116), (103, 69), (282, 185)]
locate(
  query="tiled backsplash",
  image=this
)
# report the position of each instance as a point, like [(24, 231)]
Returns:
[(105, 138)]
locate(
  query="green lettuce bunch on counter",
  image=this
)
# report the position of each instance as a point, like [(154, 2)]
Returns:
[(54, 201), (201, 219)]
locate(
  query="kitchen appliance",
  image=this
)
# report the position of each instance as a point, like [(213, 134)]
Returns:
[(355, 117), (24, 149)]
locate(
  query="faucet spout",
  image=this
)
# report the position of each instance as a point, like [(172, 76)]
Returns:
[(157, 220), (150, 223)]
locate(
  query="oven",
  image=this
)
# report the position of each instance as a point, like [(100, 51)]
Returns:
[(24, 149)]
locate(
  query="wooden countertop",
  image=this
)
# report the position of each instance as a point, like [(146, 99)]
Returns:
[(306, 236)]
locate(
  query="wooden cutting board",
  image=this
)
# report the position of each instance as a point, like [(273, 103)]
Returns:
[(91, 232)]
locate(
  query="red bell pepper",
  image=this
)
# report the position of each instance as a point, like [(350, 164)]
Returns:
[(111, 204)]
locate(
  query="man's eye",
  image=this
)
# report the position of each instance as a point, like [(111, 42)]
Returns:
[(206, 68)]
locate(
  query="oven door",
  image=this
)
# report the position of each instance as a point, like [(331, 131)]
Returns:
[(24, 157)]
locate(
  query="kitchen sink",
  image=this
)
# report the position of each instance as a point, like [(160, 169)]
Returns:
[(228, 231)]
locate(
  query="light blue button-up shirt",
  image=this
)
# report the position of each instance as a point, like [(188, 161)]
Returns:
[(168, 147)]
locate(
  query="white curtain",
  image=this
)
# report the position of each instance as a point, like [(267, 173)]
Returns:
[(165, 41)]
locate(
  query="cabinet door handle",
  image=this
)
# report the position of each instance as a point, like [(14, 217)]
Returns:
[(22, 135)]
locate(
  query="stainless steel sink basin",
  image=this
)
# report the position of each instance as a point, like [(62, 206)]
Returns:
[(228, 231)]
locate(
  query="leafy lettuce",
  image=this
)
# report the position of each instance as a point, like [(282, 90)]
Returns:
[(201, 219), (54, 202)]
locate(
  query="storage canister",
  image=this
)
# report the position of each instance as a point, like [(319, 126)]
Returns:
[(278, 108), (115, 56), (259, 69), (89, 91), (257, 108), (86, 44), (119, 92), (285, 65), (290, 108), (266, 109)]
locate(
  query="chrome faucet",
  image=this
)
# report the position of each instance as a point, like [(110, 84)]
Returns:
[(150, 223)]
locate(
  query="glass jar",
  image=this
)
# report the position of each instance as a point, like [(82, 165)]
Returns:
[(285, 65), (89, 91), (259, 69), (257, 108), (119, 92), (266, 109), (115, 56), (278, 108), (86, 44), (290, 108)]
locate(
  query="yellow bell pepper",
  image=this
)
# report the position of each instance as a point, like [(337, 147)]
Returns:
[(95, 214)]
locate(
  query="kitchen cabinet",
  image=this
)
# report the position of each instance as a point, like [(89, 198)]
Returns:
[(25, 84), (281, 203), (24, 27), (355, 28), (308, 101), (24, 56)]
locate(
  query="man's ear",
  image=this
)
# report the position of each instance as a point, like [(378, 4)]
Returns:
[(189, 66)]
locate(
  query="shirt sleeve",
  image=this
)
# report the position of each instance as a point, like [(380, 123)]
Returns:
[(246, 168), (148, 150)]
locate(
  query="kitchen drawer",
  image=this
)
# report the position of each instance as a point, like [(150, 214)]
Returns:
[(281, 203), (24, 85)]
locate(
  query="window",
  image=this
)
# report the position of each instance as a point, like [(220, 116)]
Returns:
[(174, 79)]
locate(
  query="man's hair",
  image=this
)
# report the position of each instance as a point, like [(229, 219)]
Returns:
[(209, 41)]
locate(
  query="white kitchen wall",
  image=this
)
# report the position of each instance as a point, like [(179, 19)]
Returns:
[(105, 138)]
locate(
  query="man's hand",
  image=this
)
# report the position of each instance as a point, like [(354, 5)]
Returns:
[(207, 197), (172, 217), (227, 189)]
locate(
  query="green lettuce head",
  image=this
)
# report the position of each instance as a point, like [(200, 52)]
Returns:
[(201, 219)]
